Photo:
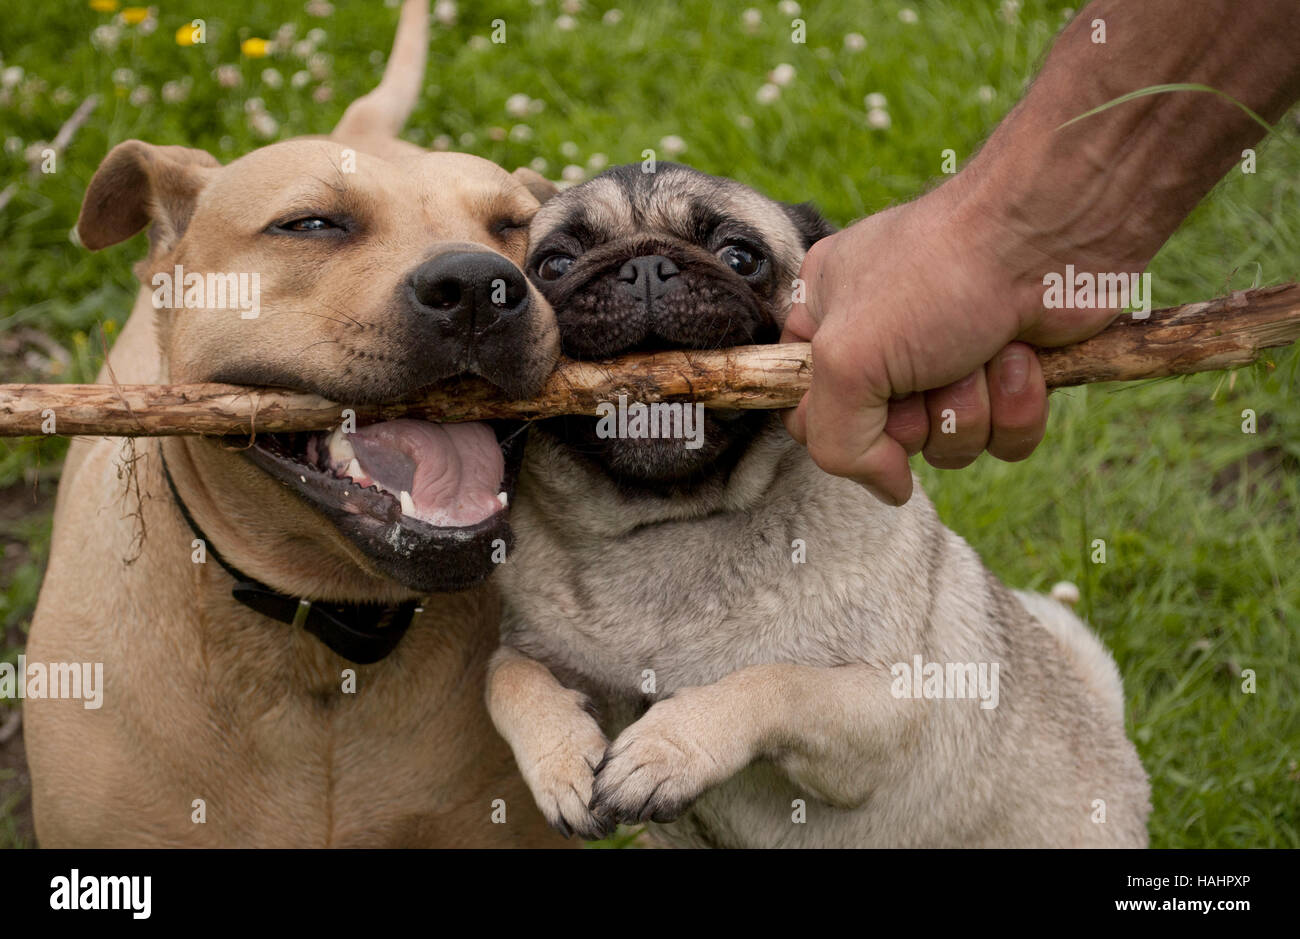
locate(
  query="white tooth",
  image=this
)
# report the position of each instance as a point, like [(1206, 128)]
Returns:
[(340, 447), (503, 499), (354, 470), (408, 504)]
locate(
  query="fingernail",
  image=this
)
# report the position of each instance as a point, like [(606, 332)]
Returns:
[(1013, 372)]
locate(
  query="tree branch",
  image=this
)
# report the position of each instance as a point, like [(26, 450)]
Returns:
[(1198, 337)]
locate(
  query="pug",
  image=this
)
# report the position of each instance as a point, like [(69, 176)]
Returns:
[(779, 659)]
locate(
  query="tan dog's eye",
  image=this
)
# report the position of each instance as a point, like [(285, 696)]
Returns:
[(554, 266), (309, 224), (507, 228)]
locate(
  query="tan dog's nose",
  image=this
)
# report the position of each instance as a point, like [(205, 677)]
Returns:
[(469, 293)]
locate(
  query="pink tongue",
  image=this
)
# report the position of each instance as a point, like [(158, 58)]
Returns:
[(452, 471)]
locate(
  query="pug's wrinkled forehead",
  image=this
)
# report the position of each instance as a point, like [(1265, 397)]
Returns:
[(679, 202)]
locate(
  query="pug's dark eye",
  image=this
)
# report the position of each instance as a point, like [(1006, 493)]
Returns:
[(308, 224), (554, 266), (741, 260)]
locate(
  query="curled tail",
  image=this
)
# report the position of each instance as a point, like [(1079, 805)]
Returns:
[(383, 111)]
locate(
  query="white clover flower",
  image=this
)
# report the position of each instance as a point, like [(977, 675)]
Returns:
[(672, 145), (105, 37), (301, 79), (319, 66), (521, 133), (985, 93), (319, 8), (303, 48), (284, 35), (855, 42), (597, 162), (174, 92), (573, 173), (565, 22), (875, 100), (316, 36), (13, 145), (767, 93), (442, 142), (228, 76), (751, 19), (444, 12), (569, 150), (517, 105), (264, 124), (272, 78), (322, 93), (141, 95), (147, 25), (612, 17), (908, 15), (538, 164), (788, 8), (468, 139), (782, 75), (878, 118), (572, 6), (745, 121), (123, 77), (1009, 10), (12, 76), (254, 105)]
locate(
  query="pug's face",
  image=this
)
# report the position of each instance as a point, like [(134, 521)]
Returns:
[(637, 262)]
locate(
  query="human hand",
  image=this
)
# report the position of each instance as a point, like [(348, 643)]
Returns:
[(912, 315)]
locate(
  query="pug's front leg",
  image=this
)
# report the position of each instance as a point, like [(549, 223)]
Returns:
[(554, 736), (825, 727)]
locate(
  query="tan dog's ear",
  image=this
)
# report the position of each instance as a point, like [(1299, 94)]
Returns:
[(541, 187), (139, 183)]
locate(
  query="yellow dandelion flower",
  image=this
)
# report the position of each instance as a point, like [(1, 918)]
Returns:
[(186, 35), (255, 48), (103, 6), (134, 15)]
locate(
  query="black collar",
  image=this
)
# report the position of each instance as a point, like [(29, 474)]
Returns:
[(362, 633)]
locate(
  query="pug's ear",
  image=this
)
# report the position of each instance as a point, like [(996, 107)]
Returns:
[(541, 187), (812, 227), (139, 183)]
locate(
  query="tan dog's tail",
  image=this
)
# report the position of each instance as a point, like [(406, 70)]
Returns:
[(385, 110)]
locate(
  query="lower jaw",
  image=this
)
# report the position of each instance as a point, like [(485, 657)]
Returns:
[(415, 554)]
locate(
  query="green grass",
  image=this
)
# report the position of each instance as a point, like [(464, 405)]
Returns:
[(1200, 520)]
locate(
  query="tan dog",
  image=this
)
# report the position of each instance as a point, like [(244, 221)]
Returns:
[(188, 567), (778, 659)]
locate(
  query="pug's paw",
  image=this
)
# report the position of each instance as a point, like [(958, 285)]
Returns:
[(561, 777), (665, 761)]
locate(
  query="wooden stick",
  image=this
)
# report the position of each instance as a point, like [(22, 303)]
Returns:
[(1223, 333)]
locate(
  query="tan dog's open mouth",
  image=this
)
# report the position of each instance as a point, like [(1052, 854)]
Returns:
[(427, 502)]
